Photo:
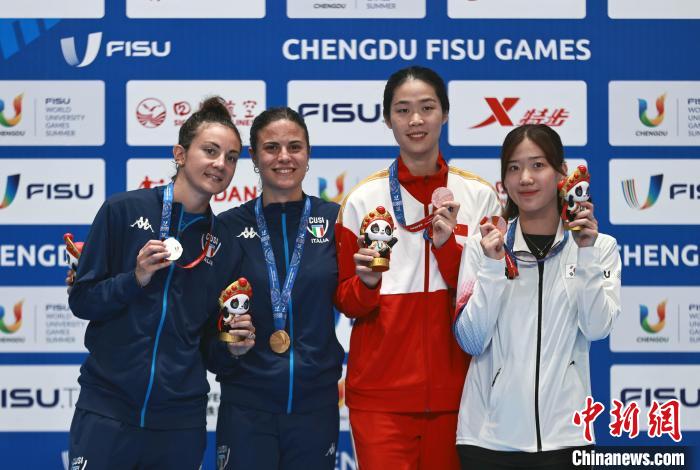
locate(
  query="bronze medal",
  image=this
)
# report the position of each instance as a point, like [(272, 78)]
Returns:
[(279, 341)]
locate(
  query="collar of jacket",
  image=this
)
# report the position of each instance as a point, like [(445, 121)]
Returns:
[(422, 187), (519, 244)]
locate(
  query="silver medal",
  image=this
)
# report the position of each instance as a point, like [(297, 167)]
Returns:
[(174, 248)]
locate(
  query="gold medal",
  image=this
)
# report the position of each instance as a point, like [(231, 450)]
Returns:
[(279, 341)]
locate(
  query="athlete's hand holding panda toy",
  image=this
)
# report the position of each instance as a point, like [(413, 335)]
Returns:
[(377, 233)]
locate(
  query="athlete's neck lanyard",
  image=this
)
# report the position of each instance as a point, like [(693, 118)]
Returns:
[(280, 301), (165, 227), (397, 204), (510, 240)]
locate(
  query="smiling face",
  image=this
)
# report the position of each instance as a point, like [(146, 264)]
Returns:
[(531, 181), (207, 166), (282, 155), (416, 118)]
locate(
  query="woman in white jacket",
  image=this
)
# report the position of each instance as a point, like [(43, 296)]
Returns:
[(530, 335)]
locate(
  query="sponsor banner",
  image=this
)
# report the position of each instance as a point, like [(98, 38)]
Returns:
[(648, 192), (356, 9), (483, 112), (38, 319), (198, 9), (332, 179), (155, 110), (653, 9), (341, 112), (151, 172), (516, 9), (658, 319), (53, 9), (663, 382), (38, 113), (490, 170), (654, 113), (38, 398), (51, 191)]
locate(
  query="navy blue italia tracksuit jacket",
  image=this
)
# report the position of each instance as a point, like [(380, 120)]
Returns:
[(145, 366), (305, 378)]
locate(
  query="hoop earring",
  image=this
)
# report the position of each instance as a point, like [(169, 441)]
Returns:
[(256, 169)]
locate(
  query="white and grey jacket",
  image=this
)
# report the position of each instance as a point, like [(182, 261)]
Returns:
[(530, 338)]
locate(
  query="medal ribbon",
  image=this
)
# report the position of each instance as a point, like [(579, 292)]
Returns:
[(280, 301), (510, 240), (397, 204), (165, 226)]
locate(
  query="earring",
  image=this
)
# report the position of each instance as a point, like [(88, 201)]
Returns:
[(256, 169), (308, 167)]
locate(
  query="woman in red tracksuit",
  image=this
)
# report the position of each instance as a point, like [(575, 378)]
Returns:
[(405, 370)]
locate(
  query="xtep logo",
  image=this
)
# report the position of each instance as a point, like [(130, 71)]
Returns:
[(499, 110), (17, 104), (339, 184), (125, 48), (9, 329), (644, 318), (71, 56), (659, 112), (629, 191), (10, 190)]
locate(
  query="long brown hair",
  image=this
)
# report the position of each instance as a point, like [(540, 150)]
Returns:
[(546, 139)]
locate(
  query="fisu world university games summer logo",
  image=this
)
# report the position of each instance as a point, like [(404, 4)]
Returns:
[(644, 318), (629, 191), (644, 118), (17, 105), (17, 310)]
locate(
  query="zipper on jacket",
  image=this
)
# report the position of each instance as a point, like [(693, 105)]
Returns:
[(540, 269), (290, 315), (495, 377), (163, 312), (426, 289)]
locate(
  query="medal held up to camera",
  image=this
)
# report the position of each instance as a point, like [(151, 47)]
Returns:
[(234, 300), (574, 190), (376, 233), (73, 251)]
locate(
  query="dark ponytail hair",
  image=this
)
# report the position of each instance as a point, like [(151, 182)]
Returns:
[(212, 110)]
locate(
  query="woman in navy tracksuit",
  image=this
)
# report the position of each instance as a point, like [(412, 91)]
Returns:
[(280, 409), (143, 385)]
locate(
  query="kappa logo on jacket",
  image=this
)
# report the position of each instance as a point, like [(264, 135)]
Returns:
[(142, 223), (248, 232), (318, 228)]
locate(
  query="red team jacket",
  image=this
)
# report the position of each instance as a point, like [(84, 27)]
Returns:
[(403, 356)]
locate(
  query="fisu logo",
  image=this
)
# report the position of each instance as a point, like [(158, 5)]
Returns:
[(112, 48), (71, 56)]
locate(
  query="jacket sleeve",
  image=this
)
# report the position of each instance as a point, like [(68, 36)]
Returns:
[(352, 296), (479, 298), (597, 287), (98, 293)]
